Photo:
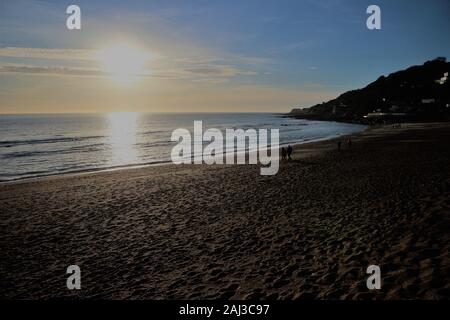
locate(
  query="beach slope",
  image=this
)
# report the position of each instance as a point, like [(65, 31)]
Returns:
[(189, 232)]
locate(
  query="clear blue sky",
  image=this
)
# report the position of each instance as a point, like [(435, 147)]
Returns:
[(220, 49)]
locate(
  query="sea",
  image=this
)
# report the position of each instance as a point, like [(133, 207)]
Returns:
[(49, 144)]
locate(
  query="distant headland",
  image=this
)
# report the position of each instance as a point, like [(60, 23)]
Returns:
[(417, 94)]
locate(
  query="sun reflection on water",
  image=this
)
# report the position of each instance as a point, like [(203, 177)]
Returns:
[(123, 136)]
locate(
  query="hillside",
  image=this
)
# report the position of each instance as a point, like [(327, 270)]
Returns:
[(419, 93)]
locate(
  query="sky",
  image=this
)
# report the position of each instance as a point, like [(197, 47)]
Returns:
[(206, 55)]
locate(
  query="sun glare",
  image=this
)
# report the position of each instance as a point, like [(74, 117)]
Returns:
[(123, 62), (123, 126)]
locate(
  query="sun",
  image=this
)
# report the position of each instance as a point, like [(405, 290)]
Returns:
[(123, 62)]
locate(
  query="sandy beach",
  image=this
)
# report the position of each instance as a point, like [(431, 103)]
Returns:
[(198, 231)]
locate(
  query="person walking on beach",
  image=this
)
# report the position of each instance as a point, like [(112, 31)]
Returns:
[(283, 153), (289, 152), (339, 145), (349, 143)]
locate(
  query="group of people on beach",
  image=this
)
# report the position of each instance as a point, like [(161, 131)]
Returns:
[(286, 152)]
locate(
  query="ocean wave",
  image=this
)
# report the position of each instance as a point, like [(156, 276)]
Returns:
[(75, 150), (11, 143), (9, 177), (146, 145), (145, 133)]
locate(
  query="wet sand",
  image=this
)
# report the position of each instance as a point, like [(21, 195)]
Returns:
[(227, 232)]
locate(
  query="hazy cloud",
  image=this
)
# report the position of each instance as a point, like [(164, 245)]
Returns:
[(219, 71), (51, 70), (47, 53), (213, 74), (207, 67)]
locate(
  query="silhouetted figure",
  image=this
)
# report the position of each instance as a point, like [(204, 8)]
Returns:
[(283, 153), (349, 143), (339, 145), (289, 151)]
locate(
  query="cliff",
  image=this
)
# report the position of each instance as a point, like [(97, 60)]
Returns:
[(419, 93)]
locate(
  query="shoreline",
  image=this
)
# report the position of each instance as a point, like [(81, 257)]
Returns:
[(144, 165), (225, 232)]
